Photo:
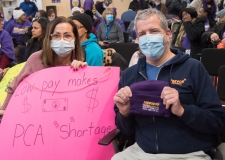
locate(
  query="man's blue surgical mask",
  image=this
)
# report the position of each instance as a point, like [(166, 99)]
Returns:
[(151, 45), (109, 18)]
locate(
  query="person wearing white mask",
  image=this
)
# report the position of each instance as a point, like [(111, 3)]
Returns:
[(109, 31), (17, 28), (190, 97), (61, 47)]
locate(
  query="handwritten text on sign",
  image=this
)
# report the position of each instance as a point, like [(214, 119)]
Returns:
[(58, 113)]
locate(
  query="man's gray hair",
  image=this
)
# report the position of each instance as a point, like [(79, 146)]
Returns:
[(144, 14)]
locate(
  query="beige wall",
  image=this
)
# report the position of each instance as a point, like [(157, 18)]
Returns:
[(63, 8)]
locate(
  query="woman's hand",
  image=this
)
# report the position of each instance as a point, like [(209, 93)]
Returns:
[(214, 37), (77, 64), (5, 70)]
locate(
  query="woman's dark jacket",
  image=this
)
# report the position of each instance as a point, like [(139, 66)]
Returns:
[(193, 33)]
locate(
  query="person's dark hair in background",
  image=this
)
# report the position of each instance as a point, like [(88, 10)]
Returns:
[(39, 28)]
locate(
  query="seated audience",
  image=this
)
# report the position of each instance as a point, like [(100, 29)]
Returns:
[(209, 21), (17, 28), (35, 44), (61, 32), (51, 14), (7, 55), (93, 53), (175, 6), (188, 35), (167, 100), (109, 31)]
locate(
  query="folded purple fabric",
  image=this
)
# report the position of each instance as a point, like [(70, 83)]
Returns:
[(146, 99)]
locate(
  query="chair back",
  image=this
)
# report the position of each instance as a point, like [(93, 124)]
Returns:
[(125, 49), (212, 59), (174, 28), (221, 83), (126, 24), (126, 37)]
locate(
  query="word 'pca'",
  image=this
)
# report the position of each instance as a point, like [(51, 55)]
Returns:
[(21, 133)]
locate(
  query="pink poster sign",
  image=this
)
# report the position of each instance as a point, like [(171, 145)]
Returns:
[(60, 114)]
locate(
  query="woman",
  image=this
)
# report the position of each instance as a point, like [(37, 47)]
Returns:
[(209, 21), (51, 14), (17, 28), (88, 40), (109, 31), (39, 27), (61, 47), (188, 35)]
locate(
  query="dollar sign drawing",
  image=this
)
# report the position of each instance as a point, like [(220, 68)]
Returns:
[(26, 105), (93, 103)]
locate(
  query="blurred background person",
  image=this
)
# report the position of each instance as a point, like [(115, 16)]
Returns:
[(51, 14), (205, 14), (29, 8), (7, 55), (109, 31), (39, 27), (17, 28), (175, 6), (188, 35), (75, 10)]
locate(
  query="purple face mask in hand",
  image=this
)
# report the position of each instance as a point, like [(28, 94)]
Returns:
[(146, 99)]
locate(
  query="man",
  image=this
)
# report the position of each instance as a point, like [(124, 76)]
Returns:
[(196, 112), (29, 8)]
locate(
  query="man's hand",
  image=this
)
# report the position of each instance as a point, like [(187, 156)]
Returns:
[(170, 97), (122, 100)]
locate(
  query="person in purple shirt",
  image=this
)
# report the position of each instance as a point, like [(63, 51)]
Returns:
[(17, 28), (29, 8), (7, 55), (88, 5)]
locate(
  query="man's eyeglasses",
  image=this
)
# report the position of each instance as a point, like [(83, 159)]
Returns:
[(66, 37)]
